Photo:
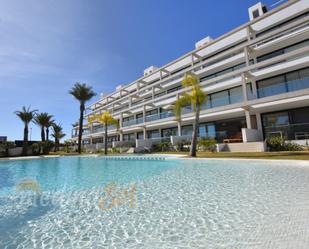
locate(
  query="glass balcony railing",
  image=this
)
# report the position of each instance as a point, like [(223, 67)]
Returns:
[(132, 122), (152, 117), (290, 131), (139, 120), (217, 102), (161, 115), (95, 130), (284, 87), (129, 122)]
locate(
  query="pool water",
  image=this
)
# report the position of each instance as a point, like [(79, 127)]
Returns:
[(91, 202)]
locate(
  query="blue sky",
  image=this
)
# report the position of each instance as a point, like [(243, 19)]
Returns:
[(48, 45)]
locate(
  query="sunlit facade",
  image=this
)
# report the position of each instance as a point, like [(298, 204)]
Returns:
[(256, 77)]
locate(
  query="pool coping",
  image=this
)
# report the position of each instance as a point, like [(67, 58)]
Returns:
[(167, 156)]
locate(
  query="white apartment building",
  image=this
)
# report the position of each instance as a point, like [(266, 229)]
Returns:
[(256, 77)]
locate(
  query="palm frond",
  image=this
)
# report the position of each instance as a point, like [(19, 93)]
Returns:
[(26, 115), (184, 100), (82, 92)]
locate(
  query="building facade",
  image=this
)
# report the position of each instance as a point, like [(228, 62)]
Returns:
[(256, 77)]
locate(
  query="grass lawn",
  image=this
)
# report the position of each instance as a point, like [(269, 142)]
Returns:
[(293, 155)]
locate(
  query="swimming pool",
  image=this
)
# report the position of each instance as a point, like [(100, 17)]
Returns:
[(91, 202)]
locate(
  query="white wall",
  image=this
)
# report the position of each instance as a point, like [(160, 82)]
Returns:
[(251, 135)]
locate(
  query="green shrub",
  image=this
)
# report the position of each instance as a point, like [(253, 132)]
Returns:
[(36, 148), (289, 146), (6, 146), (162, 146), (207, 144), (183, 146), (277, 143)]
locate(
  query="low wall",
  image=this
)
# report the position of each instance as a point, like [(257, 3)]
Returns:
[(251, 135), (302, 142), (178, 139), (16, 151), (143, 143), (220, 147), (119, 144)]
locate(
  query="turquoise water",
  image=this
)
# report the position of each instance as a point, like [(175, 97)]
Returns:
[(176, 203), (76, 173)]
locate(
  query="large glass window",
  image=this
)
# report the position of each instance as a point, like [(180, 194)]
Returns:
[(236, 95), (169, 132), (290, 124), (271, 86), (153, 134), (128, 137), (288, 82), (280, 118), (207, 130), (219, 99), (187, 130), (140, 135)]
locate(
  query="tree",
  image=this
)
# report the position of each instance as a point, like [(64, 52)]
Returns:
[(26, 116), (82, 93), (43, 120), (49, 124), (106, 119), (195, 97), (57, 135)]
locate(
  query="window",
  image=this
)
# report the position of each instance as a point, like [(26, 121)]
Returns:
[(207, 130), (271, 86), (152, 112), (283, 51), (153, 134), (288, 82), (236, 95), (303, 73), (271, 120), (256, 13), (220, 99), (128, 137), (140, 135), (169, 132), (174, 89), (187, 130)]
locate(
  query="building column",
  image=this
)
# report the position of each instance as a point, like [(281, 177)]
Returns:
[(90, 140), (145, 133), (120, 136), (244, 87), (160, 130), (254, 88), (179, 128), (120, 120), (144, 114), (259, 124), (248, 119)]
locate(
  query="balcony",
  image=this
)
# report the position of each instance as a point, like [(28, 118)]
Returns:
[(161, 115), (283, 87), (132, 122)]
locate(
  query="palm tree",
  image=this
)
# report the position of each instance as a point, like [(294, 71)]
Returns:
[(26, 115), (82, 93), (50, 123), (43, 120), (195, 97), (106, 119), (57, 135)]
